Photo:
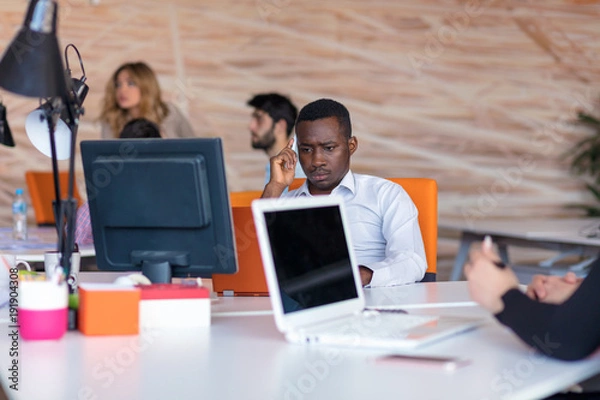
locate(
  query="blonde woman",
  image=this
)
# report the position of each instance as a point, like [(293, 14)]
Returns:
[(133, 92)]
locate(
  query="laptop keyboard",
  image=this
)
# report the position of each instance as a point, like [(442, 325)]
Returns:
[(369, 325)]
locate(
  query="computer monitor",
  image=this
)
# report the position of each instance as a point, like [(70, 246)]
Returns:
[(160, 206)]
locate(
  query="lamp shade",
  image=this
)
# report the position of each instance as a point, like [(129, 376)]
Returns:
[(36, 126), (32, 64)]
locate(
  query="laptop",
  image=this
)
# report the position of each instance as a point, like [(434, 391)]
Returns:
[(314, 282)]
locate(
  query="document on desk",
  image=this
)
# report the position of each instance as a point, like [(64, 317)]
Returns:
[(445, 363), (18, 246), (42, 240)]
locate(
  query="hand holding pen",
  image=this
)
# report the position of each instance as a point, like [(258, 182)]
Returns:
[(488, 278), (487, 247)]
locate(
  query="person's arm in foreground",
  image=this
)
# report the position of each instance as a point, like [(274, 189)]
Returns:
[(553, 289), (567, 331), (283, 167)]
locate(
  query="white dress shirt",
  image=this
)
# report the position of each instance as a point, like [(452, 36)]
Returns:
[(384, 227)]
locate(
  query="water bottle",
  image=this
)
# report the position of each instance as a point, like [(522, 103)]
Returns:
[(19, 211)]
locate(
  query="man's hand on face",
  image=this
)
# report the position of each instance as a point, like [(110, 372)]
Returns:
[(283, 169)]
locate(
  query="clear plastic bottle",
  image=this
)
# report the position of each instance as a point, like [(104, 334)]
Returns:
[(19, 211)]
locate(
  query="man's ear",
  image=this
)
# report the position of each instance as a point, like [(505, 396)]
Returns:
[(281, 128), (352, 144)]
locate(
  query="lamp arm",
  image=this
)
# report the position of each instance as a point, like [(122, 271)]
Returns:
[(71, 45), (51, 120), (68, 206), (72, 101)]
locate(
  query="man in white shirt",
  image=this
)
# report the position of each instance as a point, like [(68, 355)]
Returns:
[(271, 125), (383, 219)]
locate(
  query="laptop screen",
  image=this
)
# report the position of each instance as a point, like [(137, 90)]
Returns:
[(311, 258)]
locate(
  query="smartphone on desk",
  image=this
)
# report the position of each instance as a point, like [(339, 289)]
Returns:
[(445, 363)]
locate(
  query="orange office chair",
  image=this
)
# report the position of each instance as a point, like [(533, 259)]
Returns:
[(296, 183), (250, 278), (40, 185), (244, 198), (423, 192)]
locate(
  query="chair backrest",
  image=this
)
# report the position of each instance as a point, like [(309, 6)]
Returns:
[(296, 183), (40, 185), (244, 199), (424, 193), (250, 278)]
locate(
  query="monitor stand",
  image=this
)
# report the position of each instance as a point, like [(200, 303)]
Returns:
[(157, 265)]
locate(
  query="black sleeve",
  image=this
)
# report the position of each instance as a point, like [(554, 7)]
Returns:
[(569, 331)]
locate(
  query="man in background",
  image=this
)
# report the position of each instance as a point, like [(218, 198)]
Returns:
[(382, 217), (271, 126)]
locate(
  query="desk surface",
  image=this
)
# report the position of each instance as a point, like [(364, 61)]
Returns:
[(242, 355), (39, 240), (562, 235), (565, 230)]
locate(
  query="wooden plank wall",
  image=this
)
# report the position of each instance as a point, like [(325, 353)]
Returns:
[(476, 94)]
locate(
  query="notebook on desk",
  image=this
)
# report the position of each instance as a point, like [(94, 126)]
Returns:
[(314, 282)]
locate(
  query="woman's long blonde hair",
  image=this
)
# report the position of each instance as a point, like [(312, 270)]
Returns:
[(151, 105)]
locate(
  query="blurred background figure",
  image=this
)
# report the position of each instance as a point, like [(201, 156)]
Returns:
[(271, 126), (133, 92), (140, 128)]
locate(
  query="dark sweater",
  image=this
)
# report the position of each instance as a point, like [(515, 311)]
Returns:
[(569, 331)]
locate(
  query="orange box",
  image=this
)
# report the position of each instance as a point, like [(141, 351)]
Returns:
[(107, 309)]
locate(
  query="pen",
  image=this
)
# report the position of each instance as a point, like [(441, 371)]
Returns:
[(487, 243)]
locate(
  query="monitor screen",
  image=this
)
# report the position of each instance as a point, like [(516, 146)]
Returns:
[(160, 206)]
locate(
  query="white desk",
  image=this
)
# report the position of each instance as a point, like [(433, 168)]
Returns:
[(561, 235), (39, 240), (245, 357)]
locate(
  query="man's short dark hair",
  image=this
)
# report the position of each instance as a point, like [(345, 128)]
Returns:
[(326, 108), (277, 106), (140, 128)]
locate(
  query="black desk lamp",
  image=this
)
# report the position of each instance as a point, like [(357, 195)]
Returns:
[(32, 66), (5, 132)]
